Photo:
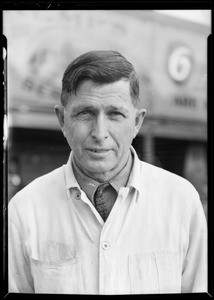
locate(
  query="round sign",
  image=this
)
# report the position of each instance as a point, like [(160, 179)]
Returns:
[(180, 64)]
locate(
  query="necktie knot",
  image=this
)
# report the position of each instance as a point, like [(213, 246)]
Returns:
[(101, 188)]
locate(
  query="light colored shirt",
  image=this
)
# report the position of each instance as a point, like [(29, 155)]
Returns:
[(154, 240), (109, 195)]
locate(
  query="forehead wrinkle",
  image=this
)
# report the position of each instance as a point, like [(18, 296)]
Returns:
[(96, 95), (89, 88), (94, 100), (88, 100)]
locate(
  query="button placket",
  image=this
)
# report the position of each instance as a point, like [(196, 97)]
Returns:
[(105, 267)]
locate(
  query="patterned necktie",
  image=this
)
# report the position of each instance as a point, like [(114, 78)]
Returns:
[(99, 201)]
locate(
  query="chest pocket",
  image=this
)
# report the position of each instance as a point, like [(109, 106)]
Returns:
[(155, 272), (57, 277)]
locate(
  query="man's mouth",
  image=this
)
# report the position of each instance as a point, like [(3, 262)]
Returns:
[(99, 150)]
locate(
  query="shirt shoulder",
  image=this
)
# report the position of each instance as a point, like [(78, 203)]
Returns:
[(170, 186), (161, 174), (43, 189)]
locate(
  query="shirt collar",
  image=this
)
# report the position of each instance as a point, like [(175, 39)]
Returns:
[(87, 184), (121, 179), (70, 179), (133, 180)]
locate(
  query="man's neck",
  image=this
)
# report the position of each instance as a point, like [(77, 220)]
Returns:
[(109, 175)]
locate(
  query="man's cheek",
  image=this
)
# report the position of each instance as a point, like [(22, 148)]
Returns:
[(127, 135)]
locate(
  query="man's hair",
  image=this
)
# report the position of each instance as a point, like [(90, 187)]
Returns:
[(101, 67)]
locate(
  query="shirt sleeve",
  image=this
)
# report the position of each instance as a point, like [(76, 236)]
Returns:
[(194, 277), (20, 279)]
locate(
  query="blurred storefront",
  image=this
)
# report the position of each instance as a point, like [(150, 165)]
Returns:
[(169, 54)]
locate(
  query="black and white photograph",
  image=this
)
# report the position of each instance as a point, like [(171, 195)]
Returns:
[(105, 139)]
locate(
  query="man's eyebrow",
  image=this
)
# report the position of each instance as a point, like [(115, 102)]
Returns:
[(80, 107)]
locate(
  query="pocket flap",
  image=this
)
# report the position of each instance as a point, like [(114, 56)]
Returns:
[(54, 264)]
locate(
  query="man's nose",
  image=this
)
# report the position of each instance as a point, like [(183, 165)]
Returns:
[(100, 128)]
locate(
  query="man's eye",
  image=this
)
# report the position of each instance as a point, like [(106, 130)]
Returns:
[(116, 114), (85, 113)]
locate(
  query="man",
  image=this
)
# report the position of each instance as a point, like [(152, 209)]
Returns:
[(106, 222)]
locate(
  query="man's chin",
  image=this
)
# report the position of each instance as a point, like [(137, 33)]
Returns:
[(100, 173)]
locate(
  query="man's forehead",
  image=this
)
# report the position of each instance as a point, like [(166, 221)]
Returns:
[(121, 85), (113, 95)]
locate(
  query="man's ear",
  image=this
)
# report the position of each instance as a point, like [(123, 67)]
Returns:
[(59, 111), (140, 115)]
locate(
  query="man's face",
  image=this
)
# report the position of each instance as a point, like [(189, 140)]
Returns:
[(99, 124)]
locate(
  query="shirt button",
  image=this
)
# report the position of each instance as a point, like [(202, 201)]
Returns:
[(105, 245), (77, 195)]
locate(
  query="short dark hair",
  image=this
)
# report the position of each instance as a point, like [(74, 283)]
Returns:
[(100, 67)]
